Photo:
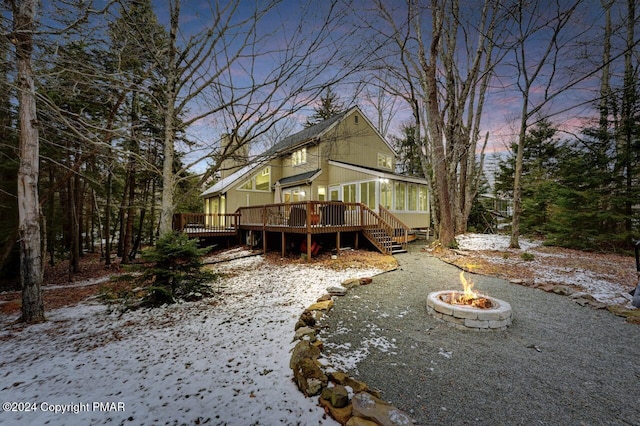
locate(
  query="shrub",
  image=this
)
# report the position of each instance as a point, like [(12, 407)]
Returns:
[(527, 257), (172, 271)]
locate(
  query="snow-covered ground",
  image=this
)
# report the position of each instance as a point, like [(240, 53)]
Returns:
[(222, 360), (572, 268), (491, 242), (219, 361)]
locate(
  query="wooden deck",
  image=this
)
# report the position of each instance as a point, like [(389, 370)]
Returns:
[(384, 230)]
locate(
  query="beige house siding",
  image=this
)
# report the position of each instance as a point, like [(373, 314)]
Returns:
[(414, 220), (340, 174), (364, 143), (313, 162)]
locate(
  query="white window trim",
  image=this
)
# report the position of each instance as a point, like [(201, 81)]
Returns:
[(385, 161), (264, 172), (299, 157)]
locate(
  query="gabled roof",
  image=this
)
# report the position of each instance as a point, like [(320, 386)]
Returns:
[(223, 184), (308, 134), (378, 172), (299, 178)]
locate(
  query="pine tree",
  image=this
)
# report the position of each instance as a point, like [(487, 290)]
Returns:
[(330, 105), (540, 163), (407, 148)]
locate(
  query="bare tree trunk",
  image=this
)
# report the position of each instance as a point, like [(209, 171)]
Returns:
[(152, 219), (605, 87), (130, 214), (629, 104), (517, 186), (143, 212), (52, 208), (527, 76), (168, 176), (31, 270), (446, 230), (107, 220), (74, 237)]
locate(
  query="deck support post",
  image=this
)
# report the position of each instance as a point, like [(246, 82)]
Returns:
[(338, 242), (308, 247), (355, 242), (264, 242), (284, 244)]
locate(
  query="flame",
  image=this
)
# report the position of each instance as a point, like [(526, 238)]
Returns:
[(468, 295)]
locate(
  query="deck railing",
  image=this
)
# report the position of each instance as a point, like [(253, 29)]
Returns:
[(302, 214), (205, 222), (400, 230), (383, 229)]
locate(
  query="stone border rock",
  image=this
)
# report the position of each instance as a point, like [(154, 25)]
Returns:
[(349, 401)]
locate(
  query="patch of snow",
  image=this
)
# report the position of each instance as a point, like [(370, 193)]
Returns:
[(84, 283), (397, 417), (603, 287), (222, 360), (599, 287), (491, 242), (444, 353)]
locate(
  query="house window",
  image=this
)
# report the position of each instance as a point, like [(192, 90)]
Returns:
[(386, 193), (355, 119), (368, 194), (423, 204), (349, 193), (259, 182), (385, 161), (294, 195), (299, 157), (322, 193), (412, 197), (400, 195)]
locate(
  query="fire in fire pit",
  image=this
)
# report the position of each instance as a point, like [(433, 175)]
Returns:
[(468, 297), (468, 309)]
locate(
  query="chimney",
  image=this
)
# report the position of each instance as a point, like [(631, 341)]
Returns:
[(236, 155)]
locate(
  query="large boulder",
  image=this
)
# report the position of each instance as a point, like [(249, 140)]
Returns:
[(359, 421), (371, 408), (344, 379), (301, 351), (636, 296), (320, 306), (341, 415), (337, 396), (309, 377)]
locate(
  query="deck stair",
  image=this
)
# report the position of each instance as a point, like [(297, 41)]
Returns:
[(385, 231)]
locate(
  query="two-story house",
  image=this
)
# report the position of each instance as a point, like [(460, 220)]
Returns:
[(343, 158)]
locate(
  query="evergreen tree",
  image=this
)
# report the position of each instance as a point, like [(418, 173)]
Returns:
[(540, 165), (590, 210), (173, 272), (330, 105), (408, 155)]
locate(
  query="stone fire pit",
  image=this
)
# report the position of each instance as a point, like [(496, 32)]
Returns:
[(494, 315)]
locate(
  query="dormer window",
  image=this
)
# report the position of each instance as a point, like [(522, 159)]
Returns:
[(299, 157)]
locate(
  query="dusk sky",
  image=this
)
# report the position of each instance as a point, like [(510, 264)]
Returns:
[(298, 22)]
